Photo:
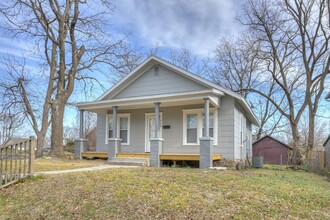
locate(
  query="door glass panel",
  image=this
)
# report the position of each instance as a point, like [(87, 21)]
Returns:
[(152, 129)]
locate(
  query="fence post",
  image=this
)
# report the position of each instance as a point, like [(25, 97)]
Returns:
[(32, 155)]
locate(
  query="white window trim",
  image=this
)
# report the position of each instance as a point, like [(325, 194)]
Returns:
[(199, 113), (126, 115)]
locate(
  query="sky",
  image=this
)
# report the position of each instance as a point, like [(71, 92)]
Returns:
[(175, 24), (171, 24)]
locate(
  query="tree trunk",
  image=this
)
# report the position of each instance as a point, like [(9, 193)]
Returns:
[(311, 133), (57, 149), (297, 157), (40, 144)]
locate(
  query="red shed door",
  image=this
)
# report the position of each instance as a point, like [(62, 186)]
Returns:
[(272, 156)]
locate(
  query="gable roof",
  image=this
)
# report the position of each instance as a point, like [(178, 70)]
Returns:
[(267, 136), (129, 78), (153, 60), (326, 141), (327, 97)]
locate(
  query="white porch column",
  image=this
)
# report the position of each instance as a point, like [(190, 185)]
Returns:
[(115, 141), (114, 121), (206, 117), (156, 143), (81, 144), (157, 120), (206, 143), (82, 123)]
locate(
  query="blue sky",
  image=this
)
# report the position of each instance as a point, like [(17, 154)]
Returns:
[(175, 24), (171, 24)]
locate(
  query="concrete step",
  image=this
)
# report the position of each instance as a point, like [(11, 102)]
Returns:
[(129, 161)]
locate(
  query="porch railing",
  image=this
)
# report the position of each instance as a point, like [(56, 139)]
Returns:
[(16, 161)]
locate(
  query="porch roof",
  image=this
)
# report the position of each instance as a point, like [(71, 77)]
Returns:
[(175, 99)]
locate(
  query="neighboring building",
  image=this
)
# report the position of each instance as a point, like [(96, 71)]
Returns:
[(272, 150), (158, 89), (327, 153), (91, 137)]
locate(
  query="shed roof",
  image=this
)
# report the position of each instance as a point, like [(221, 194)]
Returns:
[(272, 139)]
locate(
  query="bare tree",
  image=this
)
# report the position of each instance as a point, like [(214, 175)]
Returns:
[(20, 92), (11, 120), (184, 59), (71, 40), (237, 67), (294, 41)]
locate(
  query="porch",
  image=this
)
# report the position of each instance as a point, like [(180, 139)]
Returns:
[(162, 157), (167, 128)]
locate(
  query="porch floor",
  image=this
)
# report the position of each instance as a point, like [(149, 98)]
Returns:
[(174, 157)]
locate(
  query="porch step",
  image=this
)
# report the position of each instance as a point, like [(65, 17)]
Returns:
[(129, 161)]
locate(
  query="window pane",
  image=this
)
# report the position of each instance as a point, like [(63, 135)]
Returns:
[(110, 128), (211, 121), (124, 123), (110, 123), (211, 132), (192, 121), (123, 136), (192, 135)]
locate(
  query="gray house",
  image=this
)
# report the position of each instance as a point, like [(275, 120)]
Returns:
[(326, 146), (163, 112)]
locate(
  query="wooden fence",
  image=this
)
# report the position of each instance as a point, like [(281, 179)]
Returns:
[(16, 161), (316, 161)]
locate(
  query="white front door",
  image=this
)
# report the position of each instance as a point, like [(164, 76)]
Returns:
[(151, 129)]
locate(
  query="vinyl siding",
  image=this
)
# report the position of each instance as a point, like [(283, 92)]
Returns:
[(165, 82), (100, 133), (173, 137), (241, 153), (226, 128)]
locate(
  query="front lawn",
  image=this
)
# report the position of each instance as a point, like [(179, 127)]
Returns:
[(50, 164), (165, 193)]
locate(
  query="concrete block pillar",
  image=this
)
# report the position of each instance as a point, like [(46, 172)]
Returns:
[(156, 148), (80, 146), (114, 147), (206, 152)]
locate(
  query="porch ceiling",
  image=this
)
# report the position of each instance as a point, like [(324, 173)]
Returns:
[(167, 100)]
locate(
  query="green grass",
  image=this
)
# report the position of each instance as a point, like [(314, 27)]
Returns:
[(49, 164), (151, 193)]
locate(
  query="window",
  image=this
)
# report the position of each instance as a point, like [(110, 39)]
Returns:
[(123, 125), (123, 134), (193, 126), (110, 128)]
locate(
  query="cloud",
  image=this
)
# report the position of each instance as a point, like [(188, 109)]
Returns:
[(196, 25)]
